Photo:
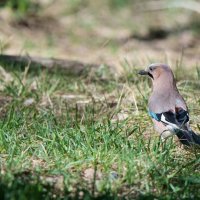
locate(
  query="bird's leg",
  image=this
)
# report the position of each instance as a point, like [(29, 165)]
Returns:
[(166, 134)]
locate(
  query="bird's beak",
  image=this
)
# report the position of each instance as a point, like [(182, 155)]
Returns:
[(144, 72)]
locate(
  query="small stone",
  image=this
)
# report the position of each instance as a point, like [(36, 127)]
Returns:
[(89, 174), (29, 102), (33, 85), (113, 175)]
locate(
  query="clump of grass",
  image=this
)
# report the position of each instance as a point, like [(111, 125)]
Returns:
[(21, 7), (120, 3)]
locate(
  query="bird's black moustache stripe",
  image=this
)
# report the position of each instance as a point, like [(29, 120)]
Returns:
[(150, 75)]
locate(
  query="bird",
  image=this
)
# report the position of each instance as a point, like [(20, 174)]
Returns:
[(167, 107)]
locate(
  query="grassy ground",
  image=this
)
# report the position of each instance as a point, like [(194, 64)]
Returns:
[(90, 137)]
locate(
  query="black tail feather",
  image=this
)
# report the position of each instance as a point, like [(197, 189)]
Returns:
[(188, 138)]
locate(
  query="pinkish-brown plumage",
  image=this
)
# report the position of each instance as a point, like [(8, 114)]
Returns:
[(164, 90)]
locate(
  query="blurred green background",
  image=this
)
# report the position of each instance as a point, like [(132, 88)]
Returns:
[(106, 31)]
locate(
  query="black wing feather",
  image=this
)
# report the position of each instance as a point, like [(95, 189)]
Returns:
[(182, 116), (179, 118)]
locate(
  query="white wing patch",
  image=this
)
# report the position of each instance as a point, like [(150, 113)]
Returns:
[(173, 126)]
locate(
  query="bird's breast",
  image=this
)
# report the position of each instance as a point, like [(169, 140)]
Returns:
[(161, 103)]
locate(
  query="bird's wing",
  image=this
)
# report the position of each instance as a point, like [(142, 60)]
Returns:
[(178, 123), (176, 120)]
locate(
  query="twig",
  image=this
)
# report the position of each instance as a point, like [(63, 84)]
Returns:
[(69, 66)]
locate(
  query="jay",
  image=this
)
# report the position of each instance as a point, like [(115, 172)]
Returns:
[(167, 108)]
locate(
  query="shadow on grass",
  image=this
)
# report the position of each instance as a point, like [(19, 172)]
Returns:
[(26, 186)]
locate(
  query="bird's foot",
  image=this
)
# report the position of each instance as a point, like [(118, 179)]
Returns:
[(166, 134)]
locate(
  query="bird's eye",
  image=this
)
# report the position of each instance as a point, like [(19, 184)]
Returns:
[(151, 68)]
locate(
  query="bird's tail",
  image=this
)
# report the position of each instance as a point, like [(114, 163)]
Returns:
[(188, 138)]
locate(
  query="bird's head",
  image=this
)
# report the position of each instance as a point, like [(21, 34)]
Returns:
[(156, 71)]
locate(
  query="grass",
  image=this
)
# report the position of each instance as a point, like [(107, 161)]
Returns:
[(73, 141), (21, 7)]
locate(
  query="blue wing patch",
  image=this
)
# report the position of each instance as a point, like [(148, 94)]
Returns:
[(156, 116)]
